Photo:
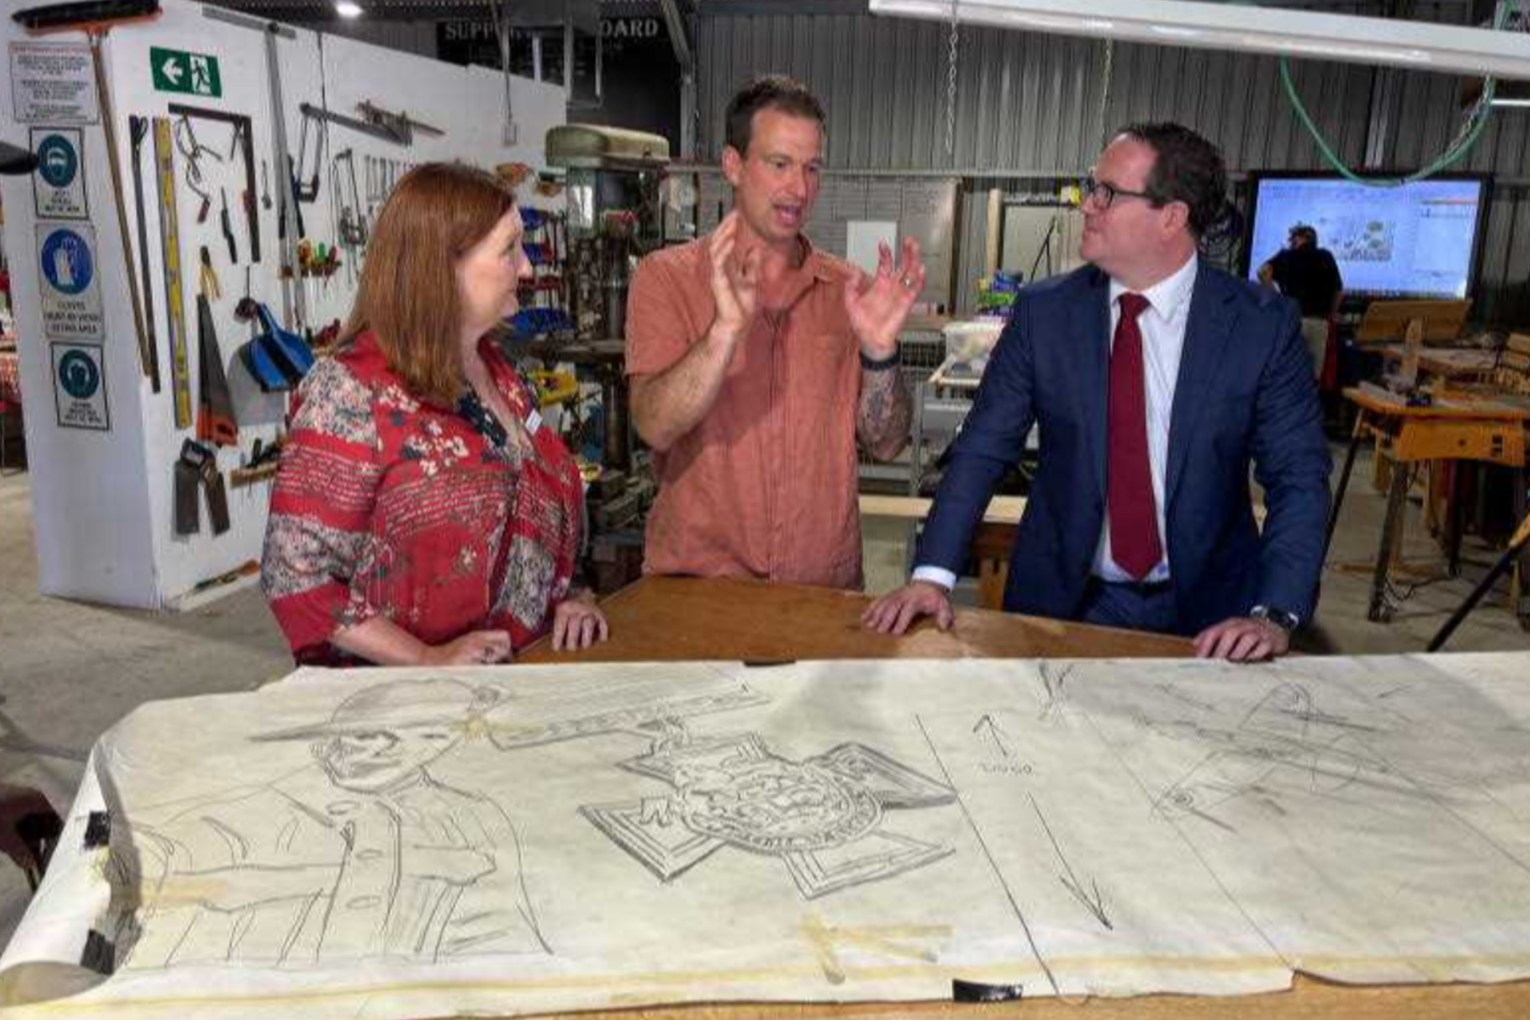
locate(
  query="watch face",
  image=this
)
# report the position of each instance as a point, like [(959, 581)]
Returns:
[(1279, 617)]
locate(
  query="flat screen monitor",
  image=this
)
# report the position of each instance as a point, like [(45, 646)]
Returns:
[(1419, 240)]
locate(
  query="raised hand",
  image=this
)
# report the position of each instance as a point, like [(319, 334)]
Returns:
[(878, 304), (735, 281)]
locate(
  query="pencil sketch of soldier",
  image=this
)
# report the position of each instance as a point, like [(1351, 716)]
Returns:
[(361, 854)]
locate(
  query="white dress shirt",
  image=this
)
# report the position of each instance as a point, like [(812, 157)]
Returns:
[(1163, 343)]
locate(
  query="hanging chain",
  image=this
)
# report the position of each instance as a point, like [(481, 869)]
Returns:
[(951, 86), (1110, 48)]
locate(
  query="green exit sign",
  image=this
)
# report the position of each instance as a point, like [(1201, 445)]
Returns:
[(179, 71)]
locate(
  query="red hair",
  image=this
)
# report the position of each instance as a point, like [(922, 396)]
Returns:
[(408, 293)]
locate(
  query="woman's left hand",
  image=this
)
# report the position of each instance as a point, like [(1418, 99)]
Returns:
[(578, 623)]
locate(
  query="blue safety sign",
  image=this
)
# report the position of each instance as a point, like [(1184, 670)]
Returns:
[(79, 387), (59, 183), (67, 263), (57, 161), (78, 375), (69, 283)]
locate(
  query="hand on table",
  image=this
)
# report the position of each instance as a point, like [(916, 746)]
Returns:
[(477, 648), (894, 612), (578, 623), (1243, 639)]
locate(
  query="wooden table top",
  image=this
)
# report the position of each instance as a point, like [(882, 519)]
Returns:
[(1456, 406), (1447, 361), (670, 618), (689, 618)]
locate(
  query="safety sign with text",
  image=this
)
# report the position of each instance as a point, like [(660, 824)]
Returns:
[(79, 387), (71, 286), (58, 186), (53, 82)]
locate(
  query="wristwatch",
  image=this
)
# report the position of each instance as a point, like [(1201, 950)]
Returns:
[(1287, 622)]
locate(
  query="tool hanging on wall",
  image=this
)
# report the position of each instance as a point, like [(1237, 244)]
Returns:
[(351, 225), (400, 125), (207, 277), (276, 358), (170, 250), (216, 423), (193, 151), (197, 470), (96, 19), (138, 130), (320, 115), (226, 225), (265, 186), (243, 143), (311, 192), (295, 203)]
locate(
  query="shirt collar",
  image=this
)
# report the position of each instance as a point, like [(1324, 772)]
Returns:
[(814, 262), (1167, 294)]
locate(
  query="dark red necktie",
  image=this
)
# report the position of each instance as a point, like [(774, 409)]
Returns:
[(1133, 513)]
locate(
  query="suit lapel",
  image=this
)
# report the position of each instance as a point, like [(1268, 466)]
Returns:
[(1208, 330), (1092, 338)]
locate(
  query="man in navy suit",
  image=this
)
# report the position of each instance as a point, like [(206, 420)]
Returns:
[(1155, 380)]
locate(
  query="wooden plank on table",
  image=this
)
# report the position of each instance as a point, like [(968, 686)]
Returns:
[(1001, 509)]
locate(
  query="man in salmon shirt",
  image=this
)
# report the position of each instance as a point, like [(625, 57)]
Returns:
[(758, 363)]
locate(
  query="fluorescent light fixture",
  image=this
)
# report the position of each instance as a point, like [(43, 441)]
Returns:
[(1511, 102), (348, 8), (1418, 45)]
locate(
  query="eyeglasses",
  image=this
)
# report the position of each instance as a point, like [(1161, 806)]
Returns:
[(1106, 194)]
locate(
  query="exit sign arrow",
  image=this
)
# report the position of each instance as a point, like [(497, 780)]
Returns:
[(196, 74)]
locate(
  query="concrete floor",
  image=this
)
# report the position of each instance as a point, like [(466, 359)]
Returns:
[(69, 670)]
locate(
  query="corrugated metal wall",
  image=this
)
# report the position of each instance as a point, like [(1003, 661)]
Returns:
[(1028, 112), (1019, 95)]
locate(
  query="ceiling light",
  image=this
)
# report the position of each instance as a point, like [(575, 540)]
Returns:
[(1420, 45), (348, 8)]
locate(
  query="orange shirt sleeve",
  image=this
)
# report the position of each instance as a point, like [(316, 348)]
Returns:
[(659, 331)]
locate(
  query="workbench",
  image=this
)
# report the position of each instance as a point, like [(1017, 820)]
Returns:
[(1455, 364), (1453, 428), (667, 618)]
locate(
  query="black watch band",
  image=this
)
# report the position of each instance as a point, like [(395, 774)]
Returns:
[(883, 365), (1287, 622)]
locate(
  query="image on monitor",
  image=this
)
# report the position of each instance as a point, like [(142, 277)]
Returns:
[(1419, 240)]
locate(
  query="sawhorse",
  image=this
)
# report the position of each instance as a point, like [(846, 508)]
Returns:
[(1454, 429)]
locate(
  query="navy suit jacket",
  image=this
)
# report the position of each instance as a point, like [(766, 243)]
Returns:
[(1245, 393)]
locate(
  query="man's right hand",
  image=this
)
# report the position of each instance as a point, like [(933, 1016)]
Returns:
[(735, 281), (894, 612), (478, 648)]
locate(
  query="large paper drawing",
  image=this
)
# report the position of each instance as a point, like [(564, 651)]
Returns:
[(823, 816), (361, 854), (403, 843)]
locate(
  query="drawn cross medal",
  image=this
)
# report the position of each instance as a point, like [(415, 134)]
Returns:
[(824, 816)]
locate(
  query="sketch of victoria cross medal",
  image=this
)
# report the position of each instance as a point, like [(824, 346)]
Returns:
[(824, 817)]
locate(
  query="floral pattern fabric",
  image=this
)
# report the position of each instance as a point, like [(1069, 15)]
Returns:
[(387, 505)]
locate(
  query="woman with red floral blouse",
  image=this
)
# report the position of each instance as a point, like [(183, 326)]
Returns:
[(423, 514)]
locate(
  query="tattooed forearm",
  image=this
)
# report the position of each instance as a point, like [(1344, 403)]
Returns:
[(884, 413)]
